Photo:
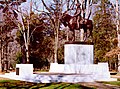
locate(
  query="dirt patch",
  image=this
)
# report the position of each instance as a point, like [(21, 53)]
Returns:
[(4, 78)]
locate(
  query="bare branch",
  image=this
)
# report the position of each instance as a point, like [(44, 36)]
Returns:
[(115, 8), (45, 6)]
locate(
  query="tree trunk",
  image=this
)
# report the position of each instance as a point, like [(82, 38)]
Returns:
[(26, 40), (0, 55), (56, 47), (118, 32), (56, 39), (57, 25), (26, 46)]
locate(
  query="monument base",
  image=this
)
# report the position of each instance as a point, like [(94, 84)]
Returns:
[(68, 73), (98, 72)]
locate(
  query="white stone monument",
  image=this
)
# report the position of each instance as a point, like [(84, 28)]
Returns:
[(79, 60), (25, 69), (78, 67)]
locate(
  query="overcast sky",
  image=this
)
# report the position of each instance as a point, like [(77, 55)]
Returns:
[(47, 1), (114, 1), (39, 3)]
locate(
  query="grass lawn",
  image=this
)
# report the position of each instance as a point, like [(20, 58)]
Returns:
[(13, 84)]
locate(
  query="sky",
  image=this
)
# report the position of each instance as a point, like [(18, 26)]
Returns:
[(114, 1), (48, 1), (40, 5), (26, 4)]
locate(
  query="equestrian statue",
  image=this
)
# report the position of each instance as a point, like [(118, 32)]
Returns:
[(77, 22)]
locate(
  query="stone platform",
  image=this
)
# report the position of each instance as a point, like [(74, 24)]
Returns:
[(51, 77), (46, 77), (68, 73)]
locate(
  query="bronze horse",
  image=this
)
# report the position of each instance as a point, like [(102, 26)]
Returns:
[(71, 22)]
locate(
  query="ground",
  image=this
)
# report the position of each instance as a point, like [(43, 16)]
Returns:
[(96, 85), (91, 85)]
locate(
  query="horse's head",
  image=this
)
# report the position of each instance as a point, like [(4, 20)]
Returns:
[(66, 16), (67, 20), (64, 19)]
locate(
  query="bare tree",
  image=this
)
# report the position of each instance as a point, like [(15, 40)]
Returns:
[(118, 32), (18, 19), (6, 25), (24, 27), (114, 12), (116, 8), (54, 13), (27, 27)]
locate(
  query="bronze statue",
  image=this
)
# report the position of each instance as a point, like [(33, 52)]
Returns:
[(70, 21), (77, 22)]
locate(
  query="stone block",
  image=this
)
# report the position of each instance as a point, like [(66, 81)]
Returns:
[(56, 68), (25, 69), (78, 54)]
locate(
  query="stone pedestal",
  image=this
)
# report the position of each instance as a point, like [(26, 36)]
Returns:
[(79, 61), (78, 54), (24, 69)]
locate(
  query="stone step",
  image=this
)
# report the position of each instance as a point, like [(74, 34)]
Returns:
[(50, 78)]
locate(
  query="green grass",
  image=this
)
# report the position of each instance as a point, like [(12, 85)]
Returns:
[(13, 84)]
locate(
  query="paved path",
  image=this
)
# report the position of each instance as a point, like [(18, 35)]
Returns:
[(97, 85), (4, 78)]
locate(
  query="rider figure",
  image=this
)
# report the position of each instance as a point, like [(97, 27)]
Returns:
[(77, 14)]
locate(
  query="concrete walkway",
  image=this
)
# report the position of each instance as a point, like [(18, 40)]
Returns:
[(96, 85), (55, 77)]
